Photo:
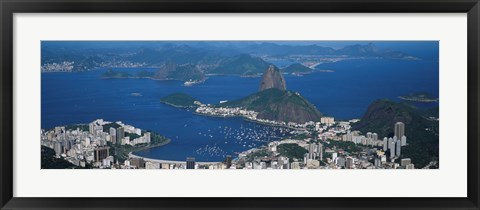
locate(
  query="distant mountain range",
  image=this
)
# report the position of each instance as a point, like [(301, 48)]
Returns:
[(235, 58), (242, 64)]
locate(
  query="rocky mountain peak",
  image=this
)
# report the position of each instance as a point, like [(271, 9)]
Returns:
[(272, 78)]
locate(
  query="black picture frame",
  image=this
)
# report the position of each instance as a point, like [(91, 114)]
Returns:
[(10, 7)]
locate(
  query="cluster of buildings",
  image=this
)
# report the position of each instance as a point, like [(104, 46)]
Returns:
[(374, 154), (226, 112), (393, 144), (91, 147), (136, 162), (65, 66), (209, 110), (119, 133), (321, 152), (107, 61), (121, 64)]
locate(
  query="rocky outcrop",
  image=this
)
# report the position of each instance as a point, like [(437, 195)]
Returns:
[(272, 78)]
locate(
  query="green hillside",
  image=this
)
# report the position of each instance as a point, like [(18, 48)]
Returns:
[(278, 105), (421, 131)]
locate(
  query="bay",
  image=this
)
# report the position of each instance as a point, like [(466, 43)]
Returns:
[(345, 93)]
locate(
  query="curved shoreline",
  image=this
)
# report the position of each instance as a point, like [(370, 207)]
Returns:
[(418, 99), (131, 155), (177, 106), (153, 146), (246, 119)]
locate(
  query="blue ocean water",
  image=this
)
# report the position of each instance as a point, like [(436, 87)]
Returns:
[(70, 98)]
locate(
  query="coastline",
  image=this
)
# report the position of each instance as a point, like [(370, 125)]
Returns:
[(132, 155), (177, 106), (246, 119), (152, 146), (418, 100)]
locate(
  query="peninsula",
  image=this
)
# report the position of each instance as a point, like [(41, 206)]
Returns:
[(420, 97)]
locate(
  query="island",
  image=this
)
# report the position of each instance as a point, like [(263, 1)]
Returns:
[(297, 69), (188, 73), (180, 100), (111, 74), (116, 74), (420, 97)]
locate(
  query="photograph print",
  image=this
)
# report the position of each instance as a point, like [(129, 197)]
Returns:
[(239, 105)]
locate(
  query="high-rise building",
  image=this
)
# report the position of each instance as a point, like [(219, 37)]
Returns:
[(113, 135), (334, 157), (404, 140), (101, 153), (385, 144), (378, 162), (113, 139), (350, 163), (190, 163), (120, 134), (311, 151), (58, 148), (113, 131), (391, 148), (399, 130), (399, 148), (87, 142), (369, 135), (410, 166), (67, 144), (320, 151), (374, 136), (91, 128), (341, 162)]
